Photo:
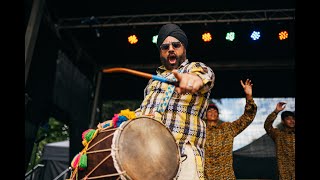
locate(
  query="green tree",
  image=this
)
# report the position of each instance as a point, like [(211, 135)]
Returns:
[(53, 131)]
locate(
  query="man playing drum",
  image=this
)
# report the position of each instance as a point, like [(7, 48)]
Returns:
[(181, 108)]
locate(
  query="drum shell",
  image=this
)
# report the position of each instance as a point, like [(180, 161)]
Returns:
[(140, 149)]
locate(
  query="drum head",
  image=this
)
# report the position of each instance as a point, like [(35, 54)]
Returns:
[(146, 150)]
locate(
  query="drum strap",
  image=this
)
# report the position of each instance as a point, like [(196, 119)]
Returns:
[(164, 102)]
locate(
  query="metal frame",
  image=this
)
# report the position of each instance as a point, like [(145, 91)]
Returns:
[(178, 18), (32, 33)]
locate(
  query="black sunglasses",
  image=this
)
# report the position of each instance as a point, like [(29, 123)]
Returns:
[(166, 46)]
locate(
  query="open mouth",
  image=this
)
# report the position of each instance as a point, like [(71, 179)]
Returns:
[(172, 59)]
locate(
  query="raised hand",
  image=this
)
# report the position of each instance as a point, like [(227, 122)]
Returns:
[(280, 106), (247, 88)]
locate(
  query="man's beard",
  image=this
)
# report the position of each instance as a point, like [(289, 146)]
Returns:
[(179, 60)]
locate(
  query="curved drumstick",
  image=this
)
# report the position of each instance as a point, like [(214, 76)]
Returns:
[(142, 74)]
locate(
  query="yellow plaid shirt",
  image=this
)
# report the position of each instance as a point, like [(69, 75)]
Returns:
[(185, 112)]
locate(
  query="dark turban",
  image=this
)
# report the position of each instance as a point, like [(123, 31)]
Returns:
[(174, 31)]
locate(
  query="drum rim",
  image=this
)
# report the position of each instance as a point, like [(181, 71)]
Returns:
[(115, 154)]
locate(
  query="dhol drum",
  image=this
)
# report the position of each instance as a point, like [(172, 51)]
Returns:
[(140, 149)]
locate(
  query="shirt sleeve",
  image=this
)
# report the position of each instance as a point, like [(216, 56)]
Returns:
[(271, 131), (245, 119), (205, 73)]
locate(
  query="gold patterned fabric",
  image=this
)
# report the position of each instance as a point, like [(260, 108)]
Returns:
[(184, 113), (219, 144), (285, 147)]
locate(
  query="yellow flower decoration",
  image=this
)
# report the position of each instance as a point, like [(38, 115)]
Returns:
[(127, 113)]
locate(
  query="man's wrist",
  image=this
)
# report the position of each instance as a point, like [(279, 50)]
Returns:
[(249, 97)]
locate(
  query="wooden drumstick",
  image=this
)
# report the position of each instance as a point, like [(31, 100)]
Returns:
[(142, 74)]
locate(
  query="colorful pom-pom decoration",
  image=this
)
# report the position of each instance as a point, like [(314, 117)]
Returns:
[(84, 133), (123, 116), (115, 119), (127, 113), (121, 119), (75, 161), (80, 161), (87, 135), (83, 162)]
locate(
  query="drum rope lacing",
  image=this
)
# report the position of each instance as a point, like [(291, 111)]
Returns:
[(80, 160), (86, 150)]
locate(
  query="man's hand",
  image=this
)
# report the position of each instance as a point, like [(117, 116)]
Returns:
[(280, 106), (188, 83), (247, 87)]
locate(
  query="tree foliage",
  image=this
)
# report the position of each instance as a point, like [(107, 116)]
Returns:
[(52, 131)]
